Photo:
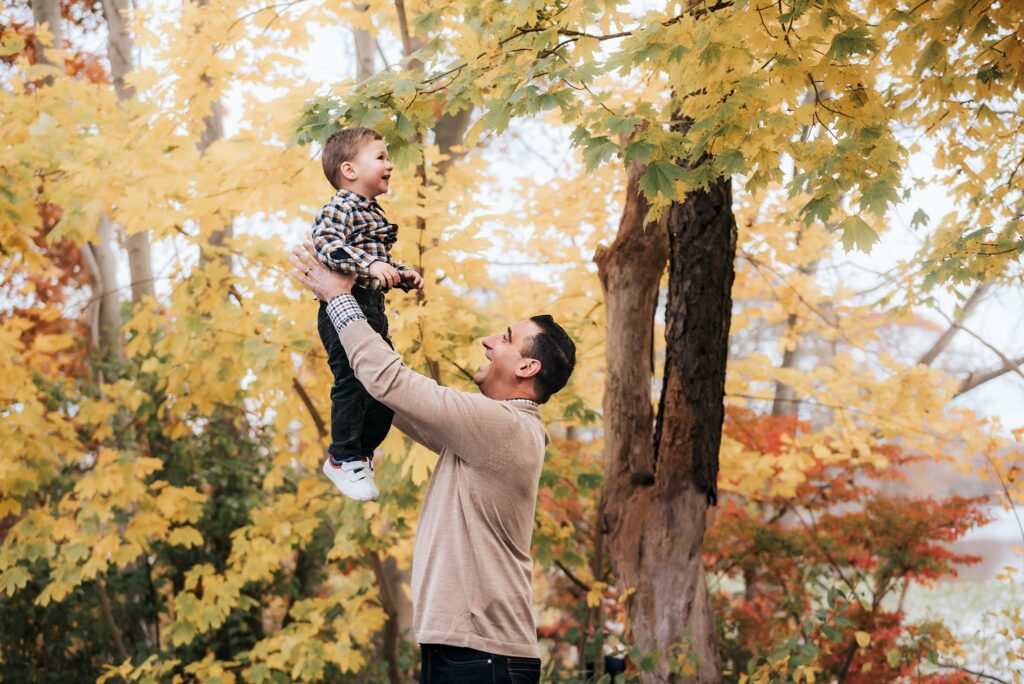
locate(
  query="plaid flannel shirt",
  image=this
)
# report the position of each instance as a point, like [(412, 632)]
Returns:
[(344, 309), (350, 233)]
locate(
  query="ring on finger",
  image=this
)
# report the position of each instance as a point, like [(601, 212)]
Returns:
[(308, 271)]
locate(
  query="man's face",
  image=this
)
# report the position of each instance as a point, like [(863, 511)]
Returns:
[(371, 168), (504, 352)]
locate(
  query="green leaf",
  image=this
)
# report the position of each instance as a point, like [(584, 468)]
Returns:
[(13, 579), (818, 208), (919, 219), (989, 74), (182, 633), (877, 197), (797, 11), (853, 41), (598, 150), (982, 28), (857, 234), (648, 661), (730, 162), (496, 118), (660, 179), (892, 656), (931, 56), (639, 151), (621, 125), (832, 633), (426, 23), (711, 53)]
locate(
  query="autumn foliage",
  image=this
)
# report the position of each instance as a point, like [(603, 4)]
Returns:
[(162, 515)]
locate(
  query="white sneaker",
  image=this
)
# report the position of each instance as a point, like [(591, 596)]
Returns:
[(353, 478)]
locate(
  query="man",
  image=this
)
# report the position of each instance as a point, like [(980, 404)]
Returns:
[(471, 570)]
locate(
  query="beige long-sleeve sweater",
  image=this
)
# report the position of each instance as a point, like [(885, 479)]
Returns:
[(471, 569)]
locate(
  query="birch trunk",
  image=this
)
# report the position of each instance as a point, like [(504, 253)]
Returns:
[(99, 256), (48, 12), (119, 51), (213, 130), (366, 50), (106, 290)]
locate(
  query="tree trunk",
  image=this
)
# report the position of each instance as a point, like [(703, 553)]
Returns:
[(213, 130), (786, 402), (119, 51), (366, 50), (106, 291), (656, 498), (630, 271), (48, 12)]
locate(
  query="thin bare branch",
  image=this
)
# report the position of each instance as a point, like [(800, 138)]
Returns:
[(965, 311), (975, 380), (109, 615), (1007, 361), (572, 577)]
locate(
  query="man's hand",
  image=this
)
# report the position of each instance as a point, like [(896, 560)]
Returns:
[(386, 273), (413, 278), (322, 281)]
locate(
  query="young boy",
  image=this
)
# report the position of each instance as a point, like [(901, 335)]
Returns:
[(350, 234)]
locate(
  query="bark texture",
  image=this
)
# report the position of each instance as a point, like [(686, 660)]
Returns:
[(119, 52), (659, 482), (48, 12), (213, 130), (106, 291), (366, 49), (630, 271)]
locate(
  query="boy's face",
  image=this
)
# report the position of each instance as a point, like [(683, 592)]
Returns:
[(369, 172)]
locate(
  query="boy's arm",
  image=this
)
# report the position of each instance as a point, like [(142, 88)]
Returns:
[(471, 425), (332, 235)]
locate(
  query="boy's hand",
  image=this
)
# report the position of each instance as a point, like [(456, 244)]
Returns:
[(387, 274), (413, 278)]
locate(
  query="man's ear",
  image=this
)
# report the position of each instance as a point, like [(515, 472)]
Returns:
[(346, 169), (527, 368)]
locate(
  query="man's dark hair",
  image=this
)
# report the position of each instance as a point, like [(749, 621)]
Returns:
[(556, 352), (343, 146)]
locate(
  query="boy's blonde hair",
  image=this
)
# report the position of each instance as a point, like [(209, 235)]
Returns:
[(343, 146)]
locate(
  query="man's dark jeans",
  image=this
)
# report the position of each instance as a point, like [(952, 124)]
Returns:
[(359, 423), (441, 664)]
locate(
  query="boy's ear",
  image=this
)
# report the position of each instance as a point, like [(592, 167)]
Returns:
[(347, 171)]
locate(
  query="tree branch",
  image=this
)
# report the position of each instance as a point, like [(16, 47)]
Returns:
[(1007, 362), (943, 341), (572, 577), (976, 673), (387, 601), (321, 428), (109, 615), (974, 380)]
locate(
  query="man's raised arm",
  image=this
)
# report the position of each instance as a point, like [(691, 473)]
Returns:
[(471, 425)]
